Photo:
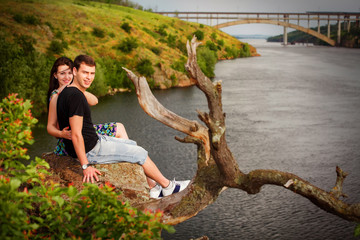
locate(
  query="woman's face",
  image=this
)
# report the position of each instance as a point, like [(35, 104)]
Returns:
[(64, 75)]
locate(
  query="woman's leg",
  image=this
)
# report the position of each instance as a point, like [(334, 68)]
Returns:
[(121, 131)]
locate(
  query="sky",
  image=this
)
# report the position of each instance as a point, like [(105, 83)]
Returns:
[(252, 6)]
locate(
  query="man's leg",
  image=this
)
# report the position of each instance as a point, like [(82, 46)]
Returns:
[(152, 171)]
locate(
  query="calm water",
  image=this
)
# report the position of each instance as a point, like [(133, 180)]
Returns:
[(294, 109)]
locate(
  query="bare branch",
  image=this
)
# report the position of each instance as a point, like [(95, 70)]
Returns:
[(157, 111), (337, 189), (253, 181)]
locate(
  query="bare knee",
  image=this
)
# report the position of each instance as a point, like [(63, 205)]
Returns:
[(121, 131)]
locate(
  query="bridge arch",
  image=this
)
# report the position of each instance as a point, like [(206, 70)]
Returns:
[(280, 23)]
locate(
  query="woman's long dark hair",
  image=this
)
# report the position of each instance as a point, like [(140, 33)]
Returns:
[(54, 83)]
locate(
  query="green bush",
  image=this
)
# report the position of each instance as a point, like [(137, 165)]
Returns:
[(126, 27), (161, 30), (206, 59), (114, 75), (18, 18), (145, 67), (33, 208), (171, 41), (98, 32), (156, 50), (245, 50), (32, 20), (128, 44), (211, 46), (179, 65), (25, 71), (56, 47), (220, 42), (213, 36), (232, 52), (199, 35)]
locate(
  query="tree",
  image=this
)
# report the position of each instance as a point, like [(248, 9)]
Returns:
[(217, 168)]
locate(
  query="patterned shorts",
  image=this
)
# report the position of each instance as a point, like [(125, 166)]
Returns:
[(107, 129)]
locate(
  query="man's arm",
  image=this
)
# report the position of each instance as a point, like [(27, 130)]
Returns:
[(76, 123)]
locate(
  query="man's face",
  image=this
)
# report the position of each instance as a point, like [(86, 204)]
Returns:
[(84, 76)]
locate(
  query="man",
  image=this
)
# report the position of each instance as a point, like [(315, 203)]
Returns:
[(91, 148)]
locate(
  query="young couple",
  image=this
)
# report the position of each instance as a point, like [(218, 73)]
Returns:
[(69, 120)]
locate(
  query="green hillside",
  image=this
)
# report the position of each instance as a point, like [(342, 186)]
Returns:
[(33, 33)]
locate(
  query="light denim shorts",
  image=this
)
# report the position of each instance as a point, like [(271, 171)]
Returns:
[(113, 150)]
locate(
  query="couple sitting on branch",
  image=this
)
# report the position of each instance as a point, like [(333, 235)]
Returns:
[(70, 120)]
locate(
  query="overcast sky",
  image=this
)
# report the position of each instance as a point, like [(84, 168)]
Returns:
[(252, 6)]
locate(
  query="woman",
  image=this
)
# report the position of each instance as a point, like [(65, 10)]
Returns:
[(60, 76)]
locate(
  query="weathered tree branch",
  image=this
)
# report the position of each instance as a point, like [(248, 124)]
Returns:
[(217, 168), (154, 109)]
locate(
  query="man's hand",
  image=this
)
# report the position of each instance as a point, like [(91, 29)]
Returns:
[(90, 173)]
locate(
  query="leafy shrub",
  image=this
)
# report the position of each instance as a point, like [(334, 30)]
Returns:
[(33, 208), (25, 71), (179, 65), (232, 52), (112, 35), (211, 46), (171, 41), (145, 67), (16, 122), (18, 18), (213, 36), (56, 47), (128, 44), (151, 33), (114, 75), (161, 30), (206, 60), (126, 27), (181, 46), (199, 35), (98, 32), (245, 51), (201, 25), (32, 20), (220, 42), (156, 50)]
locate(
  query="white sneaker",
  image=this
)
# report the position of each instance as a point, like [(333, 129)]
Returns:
[(156, 192), (174, 187)]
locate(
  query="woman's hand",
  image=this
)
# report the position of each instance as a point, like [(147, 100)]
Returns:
[(66, 133)]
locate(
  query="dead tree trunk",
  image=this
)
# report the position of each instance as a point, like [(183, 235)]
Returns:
[(217, 168)]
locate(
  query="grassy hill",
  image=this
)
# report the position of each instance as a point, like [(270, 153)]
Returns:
[(35, 32)]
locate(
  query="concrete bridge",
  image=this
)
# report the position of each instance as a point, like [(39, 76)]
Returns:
[(287, 20)]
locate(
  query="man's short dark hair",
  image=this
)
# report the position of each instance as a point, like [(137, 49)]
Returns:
[(84, 59)]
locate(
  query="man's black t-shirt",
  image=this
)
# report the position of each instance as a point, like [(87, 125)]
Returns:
[(71, 101)]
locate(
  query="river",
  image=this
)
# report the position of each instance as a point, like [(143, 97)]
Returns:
[(295, 109)]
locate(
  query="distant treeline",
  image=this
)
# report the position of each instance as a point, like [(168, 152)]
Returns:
[(348, 39)]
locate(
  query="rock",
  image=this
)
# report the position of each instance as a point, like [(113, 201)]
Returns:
[(125, 177)]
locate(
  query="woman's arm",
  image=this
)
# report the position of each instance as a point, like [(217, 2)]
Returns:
[(91, 98), (52, 124)]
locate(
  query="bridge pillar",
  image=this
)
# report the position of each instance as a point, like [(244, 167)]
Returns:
[(318, 24), (285, 38), (339, 32)]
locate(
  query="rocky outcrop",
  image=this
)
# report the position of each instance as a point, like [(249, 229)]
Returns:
[(127, 178)]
